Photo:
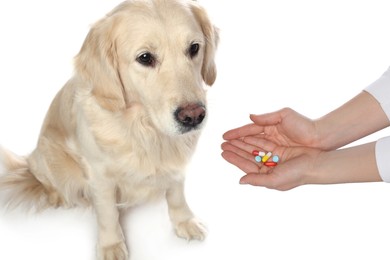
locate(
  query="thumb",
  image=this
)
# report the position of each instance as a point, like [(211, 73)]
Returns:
[(272, 118), (269, 180), (256, 179)]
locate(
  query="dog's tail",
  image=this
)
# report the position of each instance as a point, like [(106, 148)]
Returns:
[(19, 187)]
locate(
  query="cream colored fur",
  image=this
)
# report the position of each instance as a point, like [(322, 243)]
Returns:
[(110, 138)]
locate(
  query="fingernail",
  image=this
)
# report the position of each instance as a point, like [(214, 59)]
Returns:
[(243, 182)]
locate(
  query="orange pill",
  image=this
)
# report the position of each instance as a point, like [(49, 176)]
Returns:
[(270, 164)]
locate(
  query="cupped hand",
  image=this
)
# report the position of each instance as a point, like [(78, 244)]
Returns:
[(295, 167), (285, 127)]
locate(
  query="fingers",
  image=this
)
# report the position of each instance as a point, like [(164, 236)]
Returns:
[(245, 148), (260, 123), (250, 143), (254, 179), (264, 135), (287, 174), (250, 129), (277, 179), (267, 119), (256, 142), (247, 145), (274, 118), (240, 158), (270, 181), (240, 154), (259, 126)]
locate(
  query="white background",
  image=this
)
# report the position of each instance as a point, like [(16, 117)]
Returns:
[(309, 55)]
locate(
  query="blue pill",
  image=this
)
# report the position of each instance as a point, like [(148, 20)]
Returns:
[(275, 158), (258, 158)]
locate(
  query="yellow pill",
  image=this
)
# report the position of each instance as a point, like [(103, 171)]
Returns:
[(266, 157)]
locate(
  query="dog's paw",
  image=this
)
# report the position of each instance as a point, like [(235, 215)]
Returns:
[(191, 229), (114, 252)]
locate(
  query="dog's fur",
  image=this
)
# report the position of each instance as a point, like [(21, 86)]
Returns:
[(112, 137)]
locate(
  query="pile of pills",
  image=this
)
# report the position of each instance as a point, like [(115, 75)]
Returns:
[(266, 158)]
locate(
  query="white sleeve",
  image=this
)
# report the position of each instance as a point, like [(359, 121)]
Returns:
[(380, 89), (382, 152)]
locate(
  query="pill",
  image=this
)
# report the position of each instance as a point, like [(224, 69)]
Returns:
[(266, 157), (261, 154), (275, 158), (258, 158), (270, 164), (255, 152)]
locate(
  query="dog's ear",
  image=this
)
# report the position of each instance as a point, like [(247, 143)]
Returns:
[(209, 70), (97, 63)]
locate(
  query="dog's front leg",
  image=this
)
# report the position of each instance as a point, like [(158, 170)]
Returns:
[(185, 224), (111, 244)]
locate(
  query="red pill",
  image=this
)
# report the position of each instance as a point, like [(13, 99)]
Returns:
[(255, 152), (270, 164)]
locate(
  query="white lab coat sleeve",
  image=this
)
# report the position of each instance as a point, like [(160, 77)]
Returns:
[(380, 89), (382, 155)]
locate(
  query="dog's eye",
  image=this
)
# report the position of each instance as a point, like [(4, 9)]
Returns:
[(193, 50), (147, 59)]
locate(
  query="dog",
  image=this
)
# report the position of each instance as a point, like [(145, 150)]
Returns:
[(122, 129)]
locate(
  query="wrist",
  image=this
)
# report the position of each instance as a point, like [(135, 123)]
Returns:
[(321, 138), (329, 134), (314, 167), (348, 165)]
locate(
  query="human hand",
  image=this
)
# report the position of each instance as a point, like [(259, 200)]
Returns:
[(284, 128), (295, 167)]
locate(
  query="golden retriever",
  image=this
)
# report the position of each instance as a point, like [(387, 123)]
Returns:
[(122, 129)]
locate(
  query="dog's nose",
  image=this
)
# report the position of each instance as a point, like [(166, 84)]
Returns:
[(190, 116)]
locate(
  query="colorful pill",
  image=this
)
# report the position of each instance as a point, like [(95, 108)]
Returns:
[(261, 154), (275, 158), (266, 157), (255, 152), (270, 164), (258, 158)]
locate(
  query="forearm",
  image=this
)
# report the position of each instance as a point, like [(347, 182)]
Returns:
[(350, 165), (357, 118)]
